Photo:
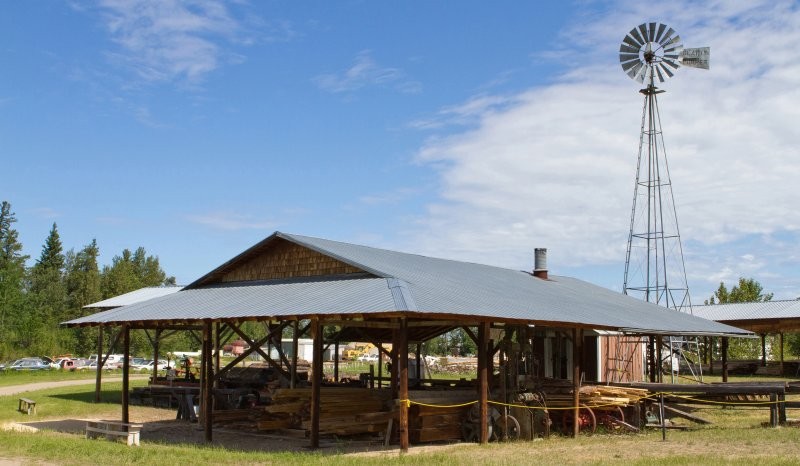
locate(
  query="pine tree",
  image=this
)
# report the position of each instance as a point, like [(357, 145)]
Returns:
[(48, 298), (12, 275)]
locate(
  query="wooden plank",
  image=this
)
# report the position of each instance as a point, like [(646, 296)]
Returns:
[(686, 415)]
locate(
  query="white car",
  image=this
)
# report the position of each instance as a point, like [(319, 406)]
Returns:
[(148, 366), (368, 358)]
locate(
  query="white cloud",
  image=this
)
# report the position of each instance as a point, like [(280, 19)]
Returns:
[(554, 166), (366, 72), (231, 221), (169, 40)]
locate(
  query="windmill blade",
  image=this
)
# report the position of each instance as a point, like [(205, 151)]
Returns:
[(623, 57), (634, 71), (630, 64), (625, 48), (643, 31), (630, 41), (661, 28), (696, 57), (671, 63), (661, 78), (642, 73), (636, 37), (652, 31), (666, 70), (665, 40)]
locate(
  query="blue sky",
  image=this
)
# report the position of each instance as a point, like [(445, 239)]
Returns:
[(471, 130)]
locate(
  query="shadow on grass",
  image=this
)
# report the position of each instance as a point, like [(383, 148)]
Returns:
[(106, 396)]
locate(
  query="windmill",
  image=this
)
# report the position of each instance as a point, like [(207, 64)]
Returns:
[(654, 267)]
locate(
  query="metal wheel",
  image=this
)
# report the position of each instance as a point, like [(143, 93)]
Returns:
[(587, 422), (506, 428)]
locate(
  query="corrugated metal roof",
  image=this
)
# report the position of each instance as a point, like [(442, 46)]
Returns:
[(423, 284), (750, 311), (136, 296)]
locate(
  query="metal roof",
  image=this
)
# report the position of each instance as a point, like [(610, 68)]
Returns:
[(400, 282), (136, 296), (749, 311)]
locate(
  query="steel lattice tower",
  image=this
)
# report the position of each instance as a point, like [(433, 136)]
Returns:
[(654, 265)]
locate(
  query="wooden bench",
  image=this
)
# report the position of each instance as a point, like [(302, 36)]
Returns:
[(27, 406), (113, 429)]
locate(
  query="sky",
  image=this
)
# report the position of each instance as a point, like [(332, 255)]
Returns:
[(467, 130)]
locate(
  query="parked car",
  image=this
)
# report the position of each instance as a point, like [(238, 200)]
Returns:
[(162, 365), (29, 364), (368, 358), (67, 364)]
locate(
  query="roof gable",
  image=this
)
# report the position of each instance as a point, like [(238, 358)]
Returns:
[(277, 258)]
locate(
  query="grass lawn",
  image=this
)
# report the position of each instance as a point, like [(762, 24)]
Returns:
[(735, 437)]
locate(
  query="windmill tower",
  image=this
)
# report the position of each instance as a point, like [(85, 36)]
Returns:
[(654, 267)]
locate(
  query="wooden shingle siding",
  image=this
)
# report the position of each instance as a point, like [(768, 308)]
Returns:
[(283, 259)]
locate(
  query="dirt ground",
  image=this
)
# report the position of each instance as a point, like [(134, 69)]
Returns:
[(160, 425)]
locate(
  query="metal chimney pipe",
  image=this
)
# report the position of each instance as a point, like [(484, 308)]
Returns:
[(540, 263)]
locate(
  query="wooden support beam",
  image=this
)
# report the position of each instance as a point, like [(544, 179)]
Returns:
[(781, 343), (260, 351), (241, 357), (724, 351), (98, 376), (126, 372), (403, 374), (336, 361), (207, 381), (316, 380), (577, 347), (763, 350), (471, 334), (295, 348), (483, 381), (362, 324)]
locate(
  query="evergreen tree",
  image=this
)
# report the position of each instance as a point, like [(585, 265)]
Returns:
[(12, 275), (48, 298)]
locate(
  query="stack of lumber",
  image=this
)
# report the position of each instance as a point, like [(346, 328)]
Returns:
[(560, 394), (343, 410), (604, 395), (433, 423)]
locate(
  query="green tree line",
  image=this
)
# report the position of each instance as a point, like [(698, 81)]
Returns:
[(35, 299), (748, 290)]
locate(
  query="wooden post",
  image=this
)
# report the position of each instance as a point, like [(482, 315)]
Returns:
[(403, 374), (724, 351), (483, 380), (763, 350), (316, 380), (781, 342), (295, 348), (126, 370), (217, 345), (98, 376), (418, 361), (711, 341), (393, 388), (577, 347), (156, 344), (380, 369), (208, 380), (659, 365), (651, 361), (336, 360)]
